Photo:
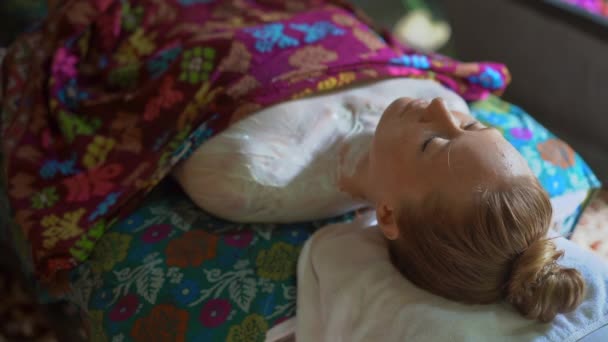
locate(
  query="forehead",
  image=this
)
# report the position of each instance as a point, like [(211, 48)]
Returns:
[(475, 162)]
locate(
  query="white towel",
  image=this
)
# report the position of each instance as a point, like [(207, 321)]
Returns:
[(349, 291)]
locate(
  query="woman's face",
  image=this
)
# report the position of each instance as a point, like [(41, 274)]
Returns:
[(422, 148)]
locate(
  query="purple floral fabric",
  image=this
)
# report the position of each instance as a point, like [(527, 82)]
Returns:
[(102, 100)]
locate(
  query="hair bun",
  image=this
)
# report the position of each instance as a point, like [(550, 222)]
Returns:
[(540, 288)]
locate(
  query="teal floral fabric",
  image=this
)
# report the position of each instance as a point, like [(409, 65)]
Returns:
[(558, 167), (170, 272)]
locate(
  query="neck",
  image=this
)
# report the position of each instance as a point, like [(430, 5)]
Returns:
[(353, 175)]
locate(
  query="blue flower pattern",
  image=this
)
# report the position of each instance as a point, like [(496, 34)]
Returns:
[(104, 206), (555, 184), (158, 65), (412, 61), (53, 167), (296, 236), (489, 78), (131, 223), (102, 299), (186, 292), (317, 31), (196, 138), (271, 35), (70, 95)]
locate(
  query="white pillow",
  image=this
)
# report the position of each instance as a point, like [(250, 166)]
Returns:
[(348, 290)]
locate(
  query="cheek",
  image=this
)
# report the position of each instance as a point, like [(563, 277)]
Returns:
[(390, 163), (381, 161), (395, 144)]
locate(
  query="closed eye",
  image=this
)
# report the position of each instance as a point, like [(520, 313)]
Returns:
[(471, 125), (427, 142)]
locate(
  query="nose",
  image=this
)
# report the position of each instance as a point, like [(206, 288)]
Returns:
[(438, 114)]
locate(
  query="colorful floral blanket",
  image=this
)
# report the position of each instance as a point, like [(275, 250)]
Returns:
[(102, 100)]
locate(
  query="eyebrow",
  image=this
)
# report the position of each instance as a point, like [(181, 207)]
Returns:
[(471, 124)]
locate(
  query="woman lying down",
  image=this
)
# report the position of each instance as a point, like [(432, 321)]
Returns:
[(459, 214)]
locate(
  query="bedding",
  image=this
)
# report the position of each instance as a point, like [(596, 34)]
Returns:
[(107, 96), (165, 270), (346, 261), (171, 267)]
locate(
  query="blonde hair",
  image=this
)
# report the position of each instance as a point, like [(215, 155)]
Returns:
[(499, 250)]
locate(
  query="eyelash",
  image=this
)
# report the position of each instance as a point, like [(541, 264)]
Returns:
[(428, 141), (471, 124)]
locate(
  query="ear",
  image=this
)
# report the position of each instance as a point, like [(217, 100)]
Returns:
[(387, 221)]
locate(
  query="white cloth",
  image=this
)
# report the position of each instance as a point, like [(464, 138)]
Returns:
[(282, 163), (348, 290)]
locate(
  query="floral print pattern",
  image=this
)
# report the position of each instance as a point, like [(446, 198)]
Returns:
[(164, 323), (156, 233), (70, 95), (192, 249), (559, 169), (205, 267), (124, 308), (131, 16), (197, 64), (557, 153), (240, 239), (118, 92), (186, 292), (252, 329), (45, 198), (215, 312), (278, 263), (110, 251), (166, 270)]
